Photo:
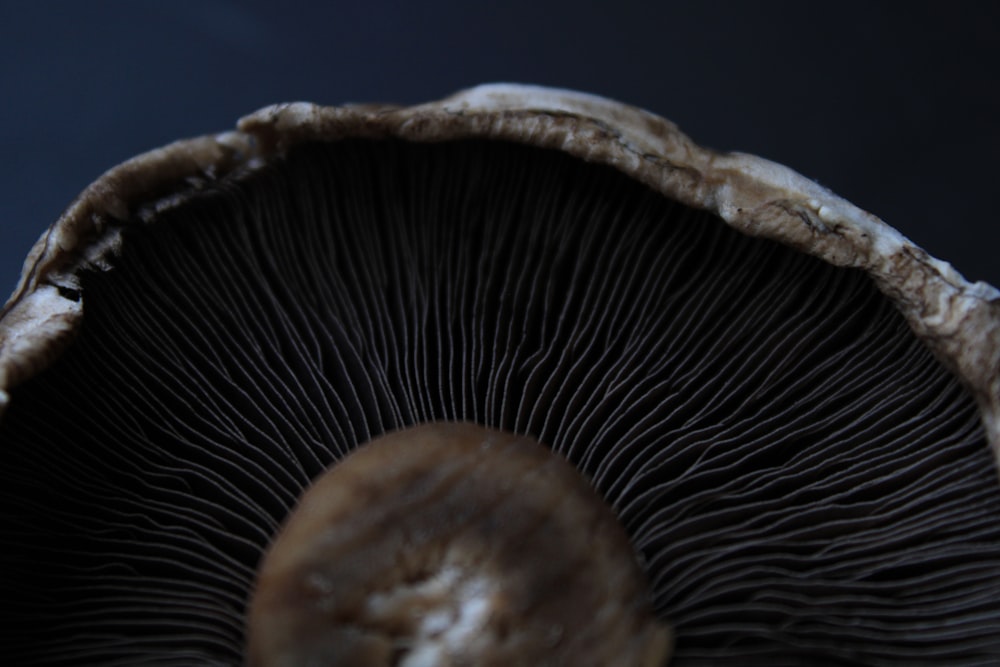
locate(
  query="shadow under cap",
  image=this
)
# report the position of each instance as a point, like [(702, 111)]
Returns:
[(958, 320)]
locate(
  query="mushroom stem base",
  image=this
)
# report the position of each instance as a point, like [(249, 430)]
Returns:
[(453, 544)]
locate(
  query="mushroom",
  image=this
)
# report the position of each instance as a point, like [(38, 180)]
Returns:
[(791, 411)]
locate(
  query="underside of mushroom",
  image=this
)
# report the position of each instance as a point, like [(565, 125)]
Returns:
[(801, 476)]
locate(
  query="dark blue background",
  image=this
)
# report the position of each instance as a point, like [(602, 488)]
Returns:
[(892, 105)]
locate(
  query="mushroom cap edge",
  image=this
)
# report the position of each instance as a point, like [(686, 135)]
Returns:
[(958, 320)]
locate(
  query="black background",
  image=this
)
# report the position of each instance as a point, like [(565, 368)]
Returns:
[(894, 106)]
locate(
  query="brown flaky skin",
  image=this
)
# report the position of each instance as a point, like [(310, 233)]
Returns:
[(959, 321), (453, 544)]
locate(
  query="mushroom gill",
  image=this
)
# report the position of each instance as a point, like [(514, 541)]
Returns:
[(802, 479)]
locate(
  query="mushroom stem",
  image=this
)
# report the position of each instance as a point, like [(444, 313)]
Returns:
[(451, 543)]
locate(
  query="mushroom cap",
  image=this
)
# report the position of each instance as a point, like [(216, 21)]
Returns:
[(956, 319), (720, 390)]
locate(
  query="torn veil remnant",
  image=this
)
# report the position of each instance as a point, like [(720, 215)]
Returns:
[(787, 405)]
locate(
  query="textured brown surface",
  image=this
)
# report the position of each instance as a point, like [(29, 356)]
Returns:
[(452, 544), (956, 319)]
